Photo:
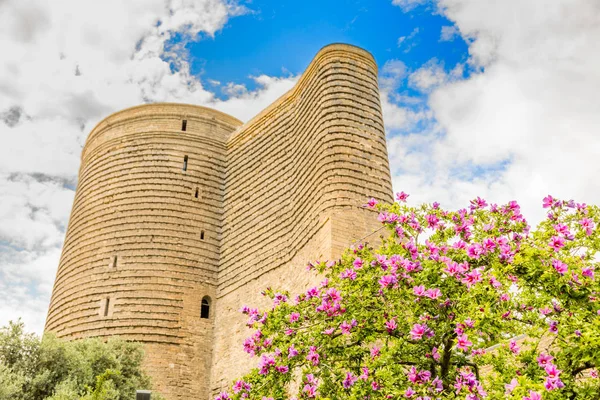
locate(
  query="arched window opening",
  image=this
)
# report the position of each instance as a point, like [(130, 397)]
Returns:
[(205, 307)]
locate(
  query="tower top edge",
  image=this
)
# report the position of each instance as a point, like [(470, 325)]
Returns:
[(347, 47), (166, 108)]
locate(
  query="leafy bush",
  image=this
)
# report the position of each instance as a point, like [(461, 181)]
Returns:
[(467, 304), (49, 368)]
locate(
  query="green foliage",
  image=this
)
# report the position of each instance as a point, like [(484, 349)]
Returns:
[(466, 304), (49, 368)]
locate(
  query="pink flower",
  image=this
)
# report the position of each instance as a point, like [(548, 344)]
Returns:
[(587, 272), (241, 385), (266, 362), (375, 352), (419, 290), (358, 263), (432, 220), (533, 396), (433, 293), (509, 387), (472, 277), (557, 243), (223, 396), (588, 225), (559, 266), (402, 196), (552, 371), (544, 359), (505, 297), (418, 331), (408, 393), (282, 369), (345, 327), (545, 311), (348, 274), (292, 352), (548, 201), (553, 326), (435, 354), (313, 356), (495, 283), (478, 203), (475, 250), (365, 373), (371, 203), (562, 229), (391, 325), (310, 390), (463, 343), (489, 244), (514, 347), (294, 317), (387, 281), (349, 380)]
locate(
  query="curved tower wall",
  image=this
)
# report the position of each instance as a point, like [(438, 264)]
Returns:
[(135, 202), (297, 177)]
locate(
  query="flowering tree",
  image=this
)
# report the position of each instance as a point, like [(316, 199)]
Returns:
[(466, 304)]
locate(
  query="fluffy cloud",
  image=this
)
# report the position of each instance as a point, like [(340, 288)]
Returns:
[(408, 5), (525, 123), (65, 65), (448, 33)]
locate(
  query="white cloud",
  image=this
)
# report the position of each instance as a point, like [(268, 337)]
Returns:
[(64, 66), (396, 114), (408, 5), (448, 33), (526, 124), (408, 41)]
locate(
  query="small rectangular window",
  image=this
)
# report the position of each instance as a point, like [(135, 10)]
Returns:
[(113, 263), (184, 125), (106, 305), (197, 193), (202, 235), (185, 162)]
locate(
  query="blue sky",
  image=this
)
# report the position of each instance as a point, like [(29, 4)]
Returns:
[(278, 37)]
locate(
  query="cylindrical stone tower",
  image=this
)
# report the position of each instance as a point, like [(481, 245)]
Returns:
[(181, 211), (141, 254)]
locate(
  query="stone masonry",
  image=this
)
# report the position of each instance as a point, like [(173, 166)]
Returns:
[(183, 214)]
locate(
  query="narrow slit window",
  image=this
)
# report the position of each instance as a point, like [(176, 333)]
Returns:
[(114, 262), (196, 193), (185, 162), (205, 307), (184, 125), (106, 306), (201, 235)]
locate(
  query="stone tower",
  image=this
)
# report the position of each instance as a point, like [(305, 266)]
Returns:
[(183, 214)]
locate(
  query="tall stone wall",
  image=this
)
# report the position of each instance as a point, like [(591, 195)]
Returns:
[(135, 202), (296, 177), (254, 204)]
